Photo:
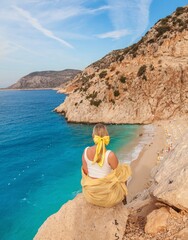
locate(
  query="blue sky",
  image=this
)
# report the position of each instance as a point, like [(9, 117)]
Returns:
[(37, 35)]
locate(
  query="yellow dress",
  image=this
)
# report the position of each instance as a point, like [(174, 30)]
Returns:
[(107, 191)]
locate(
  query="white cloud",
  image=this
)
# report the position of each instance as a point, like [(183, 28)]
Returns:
[(71, 12), (132, 15), (114, 34), (35, 23)]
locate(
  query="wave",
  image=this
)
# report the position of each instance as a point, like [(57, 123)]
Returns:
[(131, 151)]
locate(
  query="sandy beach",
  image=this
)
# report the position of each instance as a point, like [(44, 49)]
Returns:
[(166, 134)]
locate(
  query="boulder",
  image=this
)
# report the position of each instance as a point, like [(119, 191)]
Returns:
[(172, 177), (157, 221), (80, 220)]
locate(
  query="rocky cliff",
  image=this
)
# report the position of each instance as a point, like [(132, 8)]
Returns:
[(158, 212), (145, 82), (45, 79)]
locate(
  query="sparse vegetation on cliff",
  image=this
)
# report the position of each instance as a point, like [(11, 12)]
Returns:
[(162, 29), (103, 74), (92, 95), (95, 103), (179, 11), (116, 93), (135, 77), (141, 70), (122, 79)]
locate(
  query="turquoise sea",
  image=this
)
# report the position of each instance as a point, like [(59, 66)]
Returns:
[(40, 159)]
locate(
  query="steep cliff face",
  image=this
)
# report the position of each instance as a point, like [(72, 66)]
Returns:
[(159, 211), (45, 79), (145, 82)]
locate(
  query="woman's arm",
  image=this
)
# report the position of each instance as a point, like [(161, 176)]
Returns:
[(84, 165), (113, 160)]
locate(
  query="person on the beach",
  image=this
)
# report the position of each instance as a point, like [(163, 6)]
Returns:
[(103, 178)]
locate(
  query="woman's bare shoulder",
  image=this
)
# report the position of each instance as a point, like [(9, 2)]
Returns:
[(112, 154), (112, 160)]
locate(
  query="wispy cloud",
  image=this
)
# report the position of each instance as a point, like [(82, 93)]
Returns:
[(71, 12), (35, 23), (130, 15), (114, 34)]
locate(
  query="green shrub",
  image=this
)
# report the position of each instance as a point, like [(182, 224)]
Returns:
[(122, 79), (164, 21), (134, 48), (179, 11), (134, 55), (151, 67), (95, 103), (144, 77), (180, 22), (103, 74), (121, 58), (151, 41), (141, 70), (92, 95), (116, 93), (161, 30)]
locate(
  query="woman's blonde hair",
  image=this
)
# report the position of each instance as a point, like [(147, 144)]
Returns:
[(100, 130)]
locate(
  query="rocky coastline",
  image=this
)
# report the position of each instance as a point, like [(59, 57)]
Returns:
[(44, 80), (146, 83), (143, 83), (158, 197)]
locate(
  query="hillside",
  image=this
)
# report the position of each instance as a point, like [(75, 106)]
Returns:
[(45, 79), (145, 82)]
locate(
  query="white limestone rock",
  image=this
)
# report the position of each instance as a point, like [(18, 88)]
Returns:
[(172, 177), (80, 220)]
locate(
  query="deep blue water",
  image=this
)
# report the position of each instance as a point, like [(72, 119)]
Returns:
[(40, 159)]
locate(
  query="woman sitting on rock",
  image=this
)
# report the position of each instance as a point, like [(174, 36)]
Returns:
[(103, 177)]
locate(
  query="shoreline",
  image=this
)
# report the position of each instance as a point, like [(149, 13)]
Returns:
[(166, 133), (130, 152), (25, 89)]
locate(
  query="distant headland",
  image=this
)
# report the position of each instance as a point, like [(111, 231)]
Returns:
[(44, 80)]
